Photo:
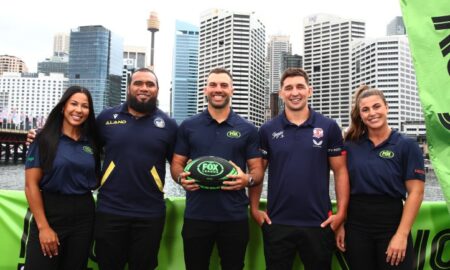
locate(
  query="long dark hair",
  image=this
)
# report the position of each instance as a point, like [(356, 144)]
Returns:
[(357, 127), (48, 137)]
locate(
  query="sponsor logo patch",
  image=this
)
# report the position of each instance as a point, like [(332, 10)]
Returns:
[(115, 122), (88, 149), (233, 134), (386, 154), (278, 135)]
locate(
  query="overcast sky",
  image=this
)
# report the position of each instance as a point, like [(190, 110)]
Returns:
[(27, 27)]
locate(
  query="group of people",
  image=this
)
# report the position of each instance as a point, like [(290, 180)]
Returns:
[(379, 181)]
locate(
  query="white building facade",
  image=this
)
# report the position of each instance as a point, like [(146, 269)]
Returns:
[(327, 59), (385, 63), (235, 41), (32, 95)]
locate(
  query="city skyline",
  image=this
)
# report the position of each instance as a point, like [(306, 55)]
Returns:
[(28, 33)]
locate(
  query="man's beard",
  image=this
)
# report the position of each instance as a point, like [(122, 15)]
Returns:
[(219, 106), (142, 107)]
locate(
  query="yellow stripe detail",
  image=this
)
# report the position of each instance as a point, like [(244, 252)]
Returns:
[(108, 172), (157, 178)]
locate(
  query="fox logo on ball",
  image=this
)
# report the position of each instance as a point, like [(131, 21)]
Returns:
[(210, 168)]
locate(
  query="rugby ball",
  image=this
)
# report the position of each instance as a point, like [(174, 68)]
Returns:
[(210, 171)]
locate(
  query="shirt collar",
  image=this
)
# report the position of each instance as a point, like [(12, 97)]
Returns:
[(311, 121), (231, 119), (392, 139)]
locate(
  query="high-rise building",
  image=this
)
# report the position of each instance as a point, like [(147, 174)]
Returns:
[(30, 94), (385, 63), (291, 61), (396, 27), (277, 46), (96, 62), (288, 61), (327, 60), (9, 63), (235, 41), (55, 64), (184, 71), (61, 44), (134, 57)]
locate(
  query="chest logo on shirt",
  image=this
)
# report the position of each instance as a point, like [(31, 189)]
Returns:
[(115, 122), (159, 122), (115, 115), (88, 149), (278, 135), (317, 133), (234, 134), (317, 137), (387, 154)]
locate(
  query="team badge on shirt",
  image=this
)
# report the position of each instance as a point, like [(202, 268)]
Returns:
[(159, 122), (317, 137), (318, 133)]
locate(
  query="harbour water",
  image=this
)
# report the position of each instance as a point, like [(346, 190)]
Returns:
[(12, 177)]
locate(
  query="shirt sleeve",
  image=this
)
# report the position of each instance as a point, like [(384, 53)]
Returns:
[(33, 156), (264, 145), (171, 145), (182, 145), (335, 141), (413, 164), (253, 145)]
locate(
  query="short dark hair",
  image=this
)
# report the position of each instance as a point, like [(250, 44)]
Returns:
[(143, 70), (294, 72), (220, 70)]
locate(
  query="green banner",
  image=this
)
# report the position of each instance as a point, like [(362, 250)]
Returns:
[(428, 28), (431, 233)]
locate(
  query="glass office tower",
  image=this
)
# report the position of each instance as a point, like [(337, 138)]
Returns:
[(185, 71), (95, 62)]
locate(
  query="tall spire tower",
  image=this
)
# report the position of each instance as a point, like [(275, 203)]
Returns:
[(153, 27)]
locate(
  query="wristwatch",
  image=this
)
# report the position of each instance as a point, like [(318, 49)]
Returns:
[(179, 179), (251, 181)]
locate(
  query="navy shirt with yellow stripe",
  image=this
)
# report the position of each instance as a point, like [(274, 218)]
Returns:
[(134, 167), (235, 139), (299, 169), (73, 170), (383, 170)]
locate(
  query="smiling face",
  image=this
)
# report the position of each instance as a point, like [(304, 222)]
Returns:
[(142, 92), (295, 93), (219, 90), (373, 112), (76, 110)]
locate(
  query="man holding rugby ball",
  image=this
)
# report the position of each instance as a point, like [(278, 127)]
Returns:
[(217, 216)]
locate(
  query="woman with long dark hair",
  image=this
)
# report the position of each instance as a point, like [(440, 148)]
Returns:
[(61, 170), (387, 177)]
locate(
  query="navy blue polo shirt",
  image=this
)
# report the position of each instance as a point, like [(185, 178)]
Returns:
[(73, 170), (235, 139), (134, 167), (383, 170), (299, 169)]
